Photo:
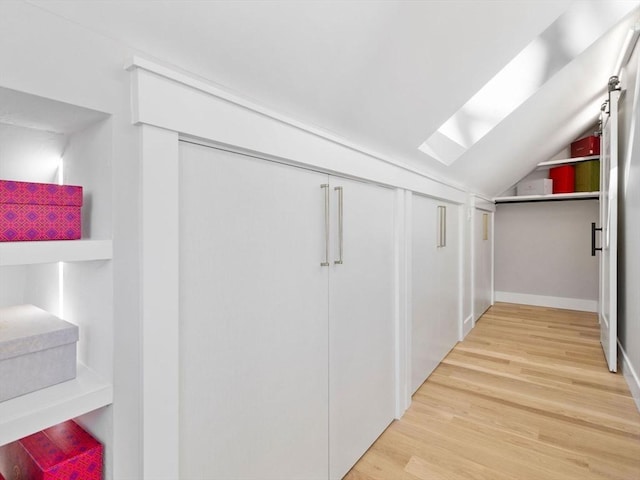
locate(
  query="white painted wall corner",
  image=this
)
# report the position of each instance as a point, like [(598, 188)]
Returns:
[(631, 376), (545, 301)]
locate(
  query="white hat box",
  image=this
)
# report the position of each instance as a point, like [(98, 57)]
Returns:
[(37, 350)]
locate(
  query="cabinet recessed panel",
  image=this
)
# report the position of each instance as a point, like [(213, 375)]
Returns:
[(361, 325), (435, 289), (253, 319)]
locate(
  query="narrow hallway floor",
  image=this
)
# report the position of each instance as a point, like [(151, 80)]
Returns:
[(527, 395)]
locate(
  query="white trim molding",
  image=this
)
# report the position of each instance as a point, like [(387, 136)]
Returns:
[(160, 303), (402, 306), (545, 301), (631, 376), (140, 67), (482, 203), (181, 103)]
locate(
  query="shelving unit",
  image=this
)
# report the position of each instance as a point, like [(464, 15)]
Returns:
[(47, 141), (29, 253), (547, 198), (554, 196), (24, 415)]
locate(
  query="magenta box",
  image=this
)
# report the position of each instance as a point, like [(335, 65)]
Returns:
[(61, 452), (39, 211)]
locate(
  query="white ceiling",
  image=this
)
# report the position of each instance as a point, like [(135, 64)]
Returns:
[(382, 74)]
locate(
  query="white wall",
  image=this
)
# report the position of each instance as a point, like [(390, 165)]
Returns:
[(629, 229), (42, 54), (543, 253)]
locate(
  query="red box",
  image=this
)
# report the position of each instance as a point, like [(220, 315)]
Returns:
[(64, 451), (585, 147), (564, 178), (39, 211)]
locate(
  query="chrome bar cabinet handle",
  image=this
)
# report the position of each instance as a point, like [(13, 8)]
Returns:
[(325, 186), (340, 223), (442, 226)]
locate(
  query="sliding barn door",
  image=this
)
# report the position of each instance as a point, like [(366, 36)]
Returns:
[(253, 319), (607, 301)]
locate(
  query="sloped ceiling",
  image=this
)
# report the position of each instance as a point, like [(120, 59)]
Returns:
[(384, 75)]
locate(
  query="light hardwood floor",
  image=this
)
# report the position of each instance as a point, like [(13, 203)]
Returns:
[(527, 395)]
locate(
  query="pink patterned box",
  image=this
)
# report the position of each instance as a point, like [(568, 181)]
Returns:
[(39, 211), (61, 452)]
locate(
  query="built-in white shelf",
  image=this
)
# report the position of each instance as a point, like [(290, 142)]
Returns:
[(566, 161), (547, 198), (28, 253), (27, 414)]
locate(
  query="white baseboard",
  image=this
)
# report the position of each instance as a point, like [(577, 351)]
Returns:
[(544, 301), (467, 325), (630, 376)]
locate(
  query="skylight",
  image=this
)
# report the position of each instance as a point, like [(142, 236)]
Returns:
[(566, 38)]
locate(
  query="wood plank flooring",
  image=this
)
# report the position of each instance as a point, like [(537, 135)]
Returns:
[(527, 395)]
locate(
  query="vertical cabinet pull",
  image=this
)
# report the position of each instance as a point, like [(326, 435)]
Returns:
[(340, 224), (485, 226), (442, 226), (593, 239), (325, 186)]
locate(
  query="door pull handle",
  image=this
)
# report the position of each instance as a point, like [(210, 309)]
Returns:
[(325, 186), (593, 239), (340, 224)]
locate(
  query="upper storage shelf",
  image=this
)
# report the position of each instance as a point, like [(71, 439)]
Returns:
[(547, 198), (566, 161), (555, 196)]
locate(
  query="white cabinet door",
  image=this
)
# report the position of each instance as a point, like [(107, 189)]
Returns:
[(482, 262), (448, 273), (253, 319), (424, 289), (608, 281), (361, 328), (435, 288)]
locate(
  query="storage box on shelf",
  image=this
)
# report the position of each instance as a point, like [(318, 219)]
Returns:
[(540, 186), (64, 451), (588, 176), (39, 211), (37, 350), (585, 147), (563, 178), (41, 139)]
